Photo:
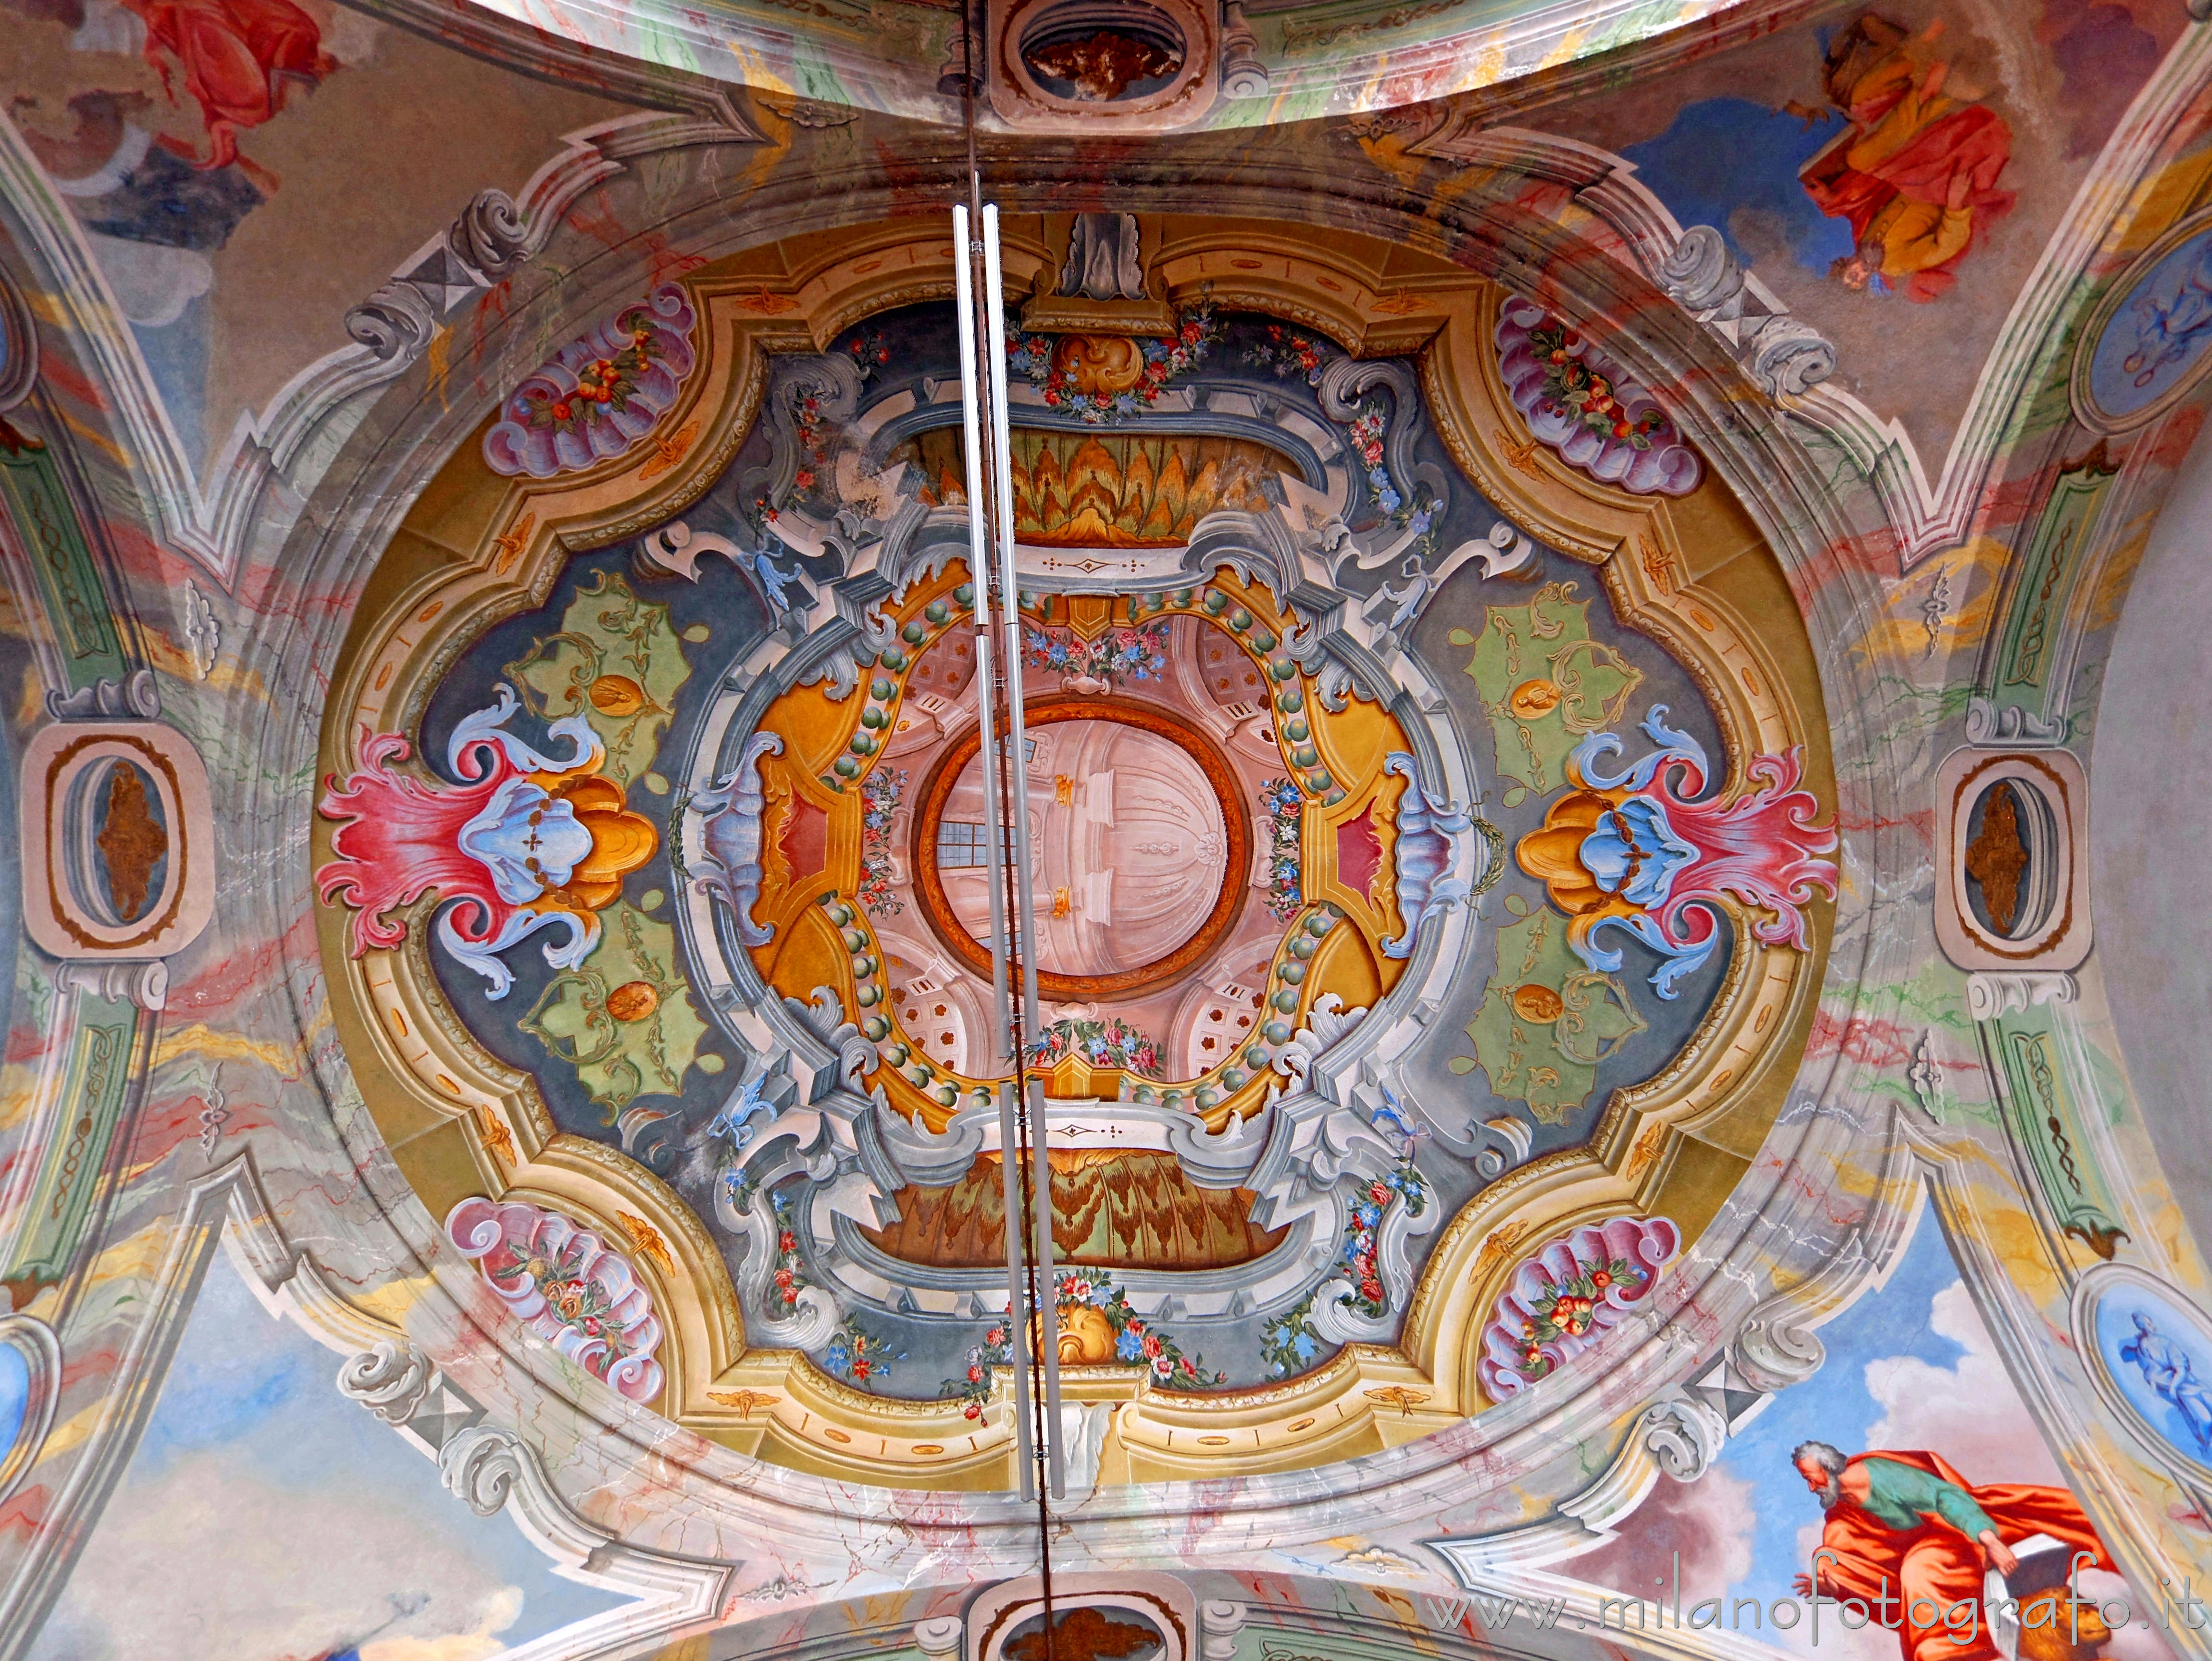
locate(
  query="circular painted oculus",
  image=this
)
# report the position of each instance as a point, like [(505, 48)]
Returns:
[(1139, 854)]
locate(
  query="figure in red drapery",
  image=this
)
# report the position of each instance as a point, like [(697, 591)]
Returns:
[(1907, 1536), (237, 55), (1915, 173)]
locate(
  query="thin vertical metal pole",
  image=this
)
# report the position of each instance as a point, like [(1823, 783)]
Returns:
[(1010, 1123), (980, 572), (1019, 795)]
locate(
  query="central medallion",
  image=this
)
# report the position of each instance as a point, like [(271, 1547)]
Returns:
[(1135, 820)]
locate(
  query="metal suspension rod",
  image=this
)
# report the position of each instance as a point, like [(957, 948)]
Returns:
[(1024, 922), (1005, 1058), (1027, 1181)]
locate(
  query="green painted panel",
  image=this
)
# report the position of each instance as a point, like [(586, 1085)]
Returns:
[(38, 504), (2047, 574), (2044, 1123), (98, 1079)]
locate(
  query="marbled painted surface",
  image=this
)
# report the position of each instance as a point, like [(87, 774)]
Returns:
[(245, 1116)]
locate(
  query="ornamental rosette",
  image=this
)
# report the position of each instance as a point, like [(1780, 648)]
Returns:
[(563, 1283), (1566, 1297), (1580, 402), (599, 395)]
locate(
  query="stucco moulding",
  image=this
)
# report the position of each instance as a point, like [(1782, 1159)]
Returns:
[(2148, 345), (1649, 552), (2012, 829), (2148, 1352), (117, 849)]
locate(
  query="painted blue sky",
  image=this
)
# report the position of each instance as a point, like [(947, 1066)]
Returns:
[(1726, 157), (1909, 1365), (265, 1515), (1835, 1405)]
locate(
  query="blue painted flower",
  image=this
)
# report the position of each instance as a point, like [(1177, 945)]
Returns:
[(838, 1358), (1130, 1346), (1634, 852), (1306, 1346), (1367, 1213)]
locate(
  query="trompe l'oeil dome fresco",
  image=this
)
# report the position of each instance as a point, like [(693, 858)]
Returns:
[(659, 859), (1399, 867)]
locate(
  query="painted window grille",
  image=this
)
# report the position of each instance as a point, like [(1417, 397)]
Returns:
[(962, 846)]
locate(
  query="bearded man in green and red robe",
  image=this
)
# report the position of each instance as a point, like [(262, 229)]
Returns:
[(1907, 1536)]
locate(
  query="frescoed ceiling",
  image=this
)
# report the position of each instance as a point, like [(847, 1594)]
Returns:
[(682, 797), (1614, 1005)]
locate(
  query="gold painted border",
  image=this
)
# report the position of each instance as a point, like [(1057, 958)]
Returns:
[(1691, 572)]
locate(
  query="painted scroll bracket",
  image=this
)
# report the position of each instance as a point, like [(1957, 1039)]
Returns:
[(213, 518)]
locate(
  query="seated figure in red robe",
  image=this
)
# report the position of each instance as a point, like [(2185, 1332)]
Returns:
[(238, 55), (1916, 171), (1908, 1537)]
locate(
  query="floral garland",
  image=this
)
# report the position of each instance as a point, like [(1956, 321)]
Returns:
[(984, 1360), (1038, 358), (785, 1281), (567, 1288), (814, 433), (1135, 1342), (1136, 654), (1285, 808), (879, 798), (855, 1355), (604, 386), (1290, 1343), (1109, 1043), (1570, 386), (1283, 353), (1567, 1309), (1366, 432), (576, 1301), (1369, 1296)]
